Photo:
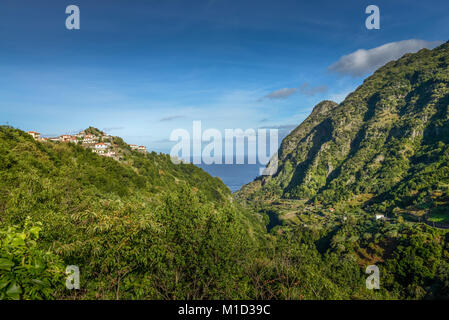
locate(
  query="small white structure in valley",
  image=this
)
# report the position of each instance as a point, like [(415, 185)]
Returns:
[(379, 216)]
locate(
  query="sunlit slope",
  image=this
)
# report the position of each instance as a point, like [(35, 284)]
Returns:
[(387, 140)]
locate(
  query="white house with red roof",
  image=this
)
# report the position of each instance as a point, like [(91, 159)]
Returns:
[(34, 134), (101, 146), (68, 138), (65, 137)]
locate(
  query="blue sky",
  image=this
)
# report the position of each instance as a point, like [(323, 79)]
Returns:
[(139, 69)]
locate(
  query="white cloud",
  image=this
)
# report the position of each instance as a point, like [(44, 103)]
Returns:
[(305, 89), (170, 118), (309, 90), (281, 93), (364, 61)]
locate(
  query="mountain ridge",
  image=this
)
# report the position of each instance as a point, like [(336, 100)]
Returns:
[(145, 228), (366, 144)]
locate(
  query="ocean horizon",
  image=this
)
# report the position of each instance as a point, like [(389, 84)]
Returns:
[(233, 175)]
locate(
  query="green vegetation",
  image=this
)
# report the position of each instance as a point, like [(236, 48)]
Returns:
[(138, 229), (384, 150), (26, 271), (141, 227), (144, 228), (388, 138)]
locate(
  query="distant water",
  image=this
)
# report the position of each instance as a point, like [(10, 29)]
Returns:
[(233, 175)]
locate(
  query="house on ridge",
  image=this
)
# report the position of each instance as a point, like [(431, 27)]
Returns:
[(101, 146), (34, 134)]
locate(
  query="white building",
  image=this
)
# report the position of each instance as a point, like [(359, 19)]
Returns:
[(73, 140), (379, 216), (110, 154), (88, 140), (101, 146), (35, 135), (65, 137)]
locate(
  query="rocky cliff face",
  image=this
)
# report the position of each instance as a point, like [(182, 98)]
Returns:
[(389, 138)]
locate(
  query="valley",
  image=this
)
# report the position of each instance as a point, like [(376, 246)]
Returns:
[(359, 184)]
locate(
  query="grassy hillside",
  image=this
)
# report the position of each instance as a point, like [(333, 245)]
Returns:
[(143, 228), (368, 180), (389, 140), (139, 228)]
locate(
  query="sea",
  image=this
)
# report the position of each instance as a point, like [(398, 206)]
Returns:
[(233, 175), (236, 175)]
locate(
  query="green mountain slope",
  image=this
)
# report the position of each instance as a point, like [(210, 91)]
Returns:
[(143, 228), (138, 228), (387, 141), (367, 181)]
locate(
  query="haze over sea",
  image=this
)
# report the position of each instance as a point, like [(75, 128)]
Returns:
[(236, 175), (233, 175)]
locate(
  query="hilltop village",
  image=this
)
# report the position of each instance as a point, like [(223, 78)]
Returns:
[(91, 138)]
